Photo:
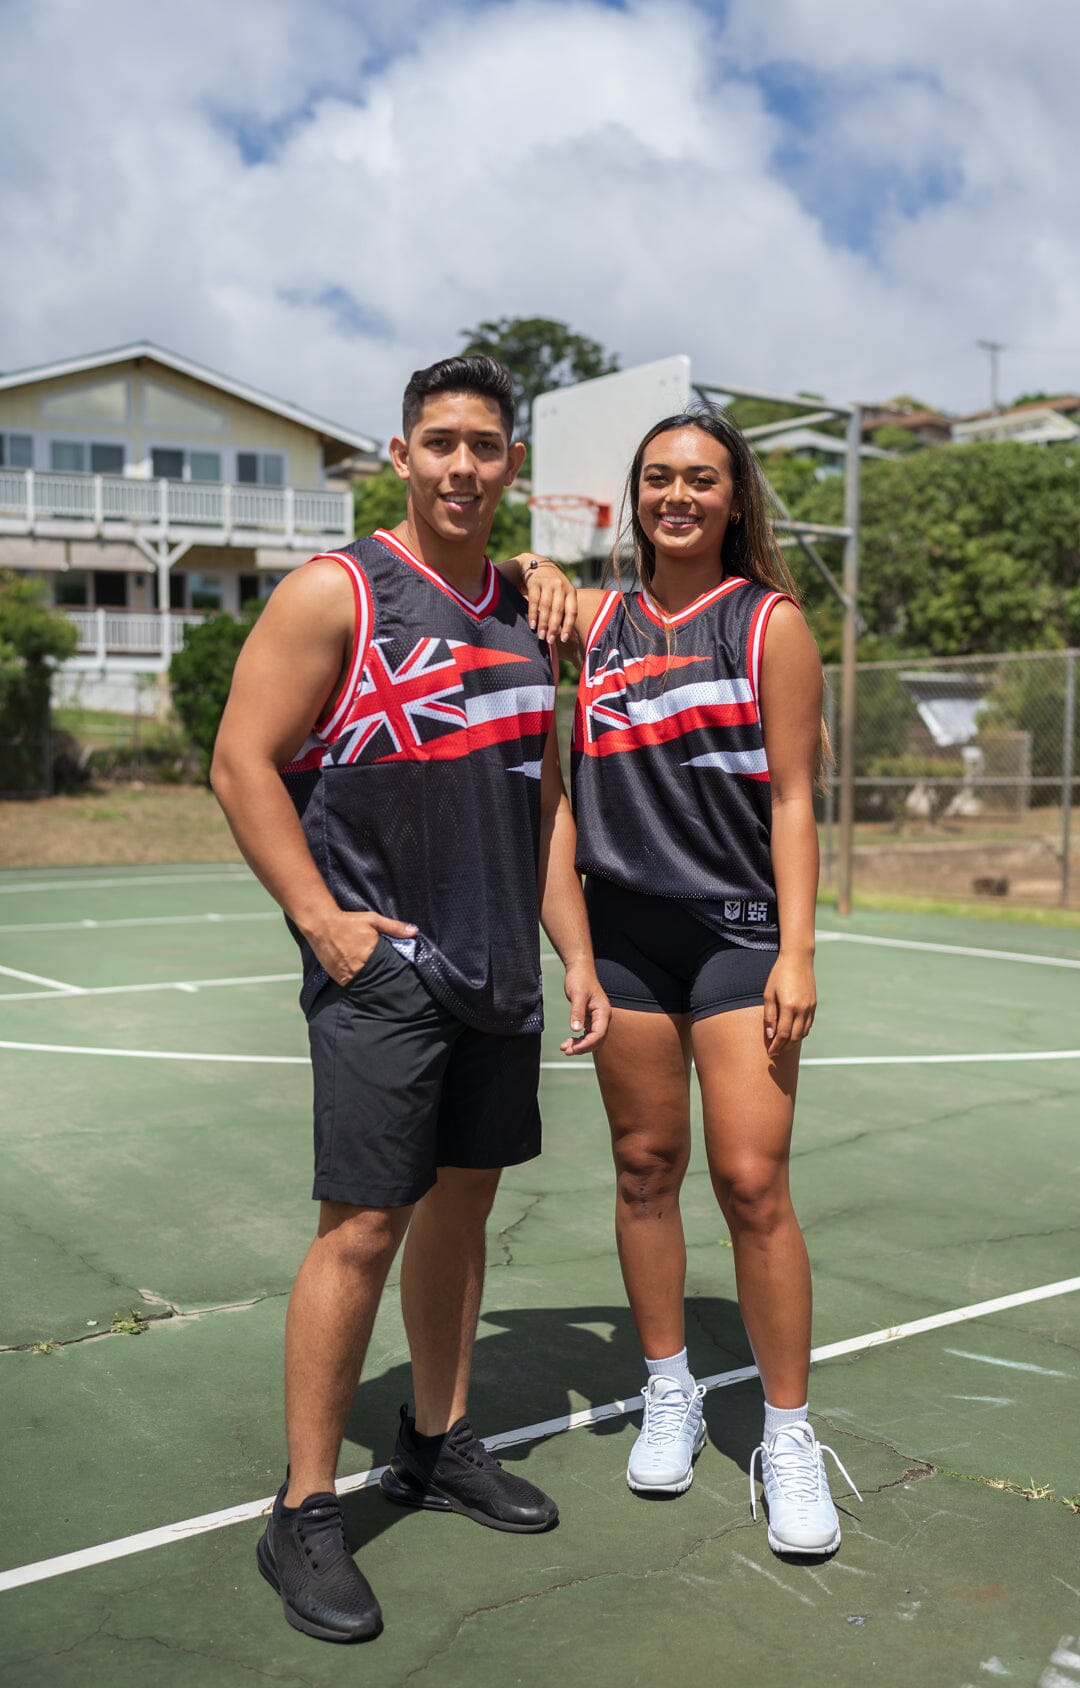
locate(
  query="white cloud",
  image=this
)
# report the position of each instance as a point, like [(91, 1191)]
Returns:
[(620, 169)]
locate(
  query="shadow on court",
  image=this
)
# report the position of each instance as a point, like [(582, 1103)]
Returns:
[(535, 1364)]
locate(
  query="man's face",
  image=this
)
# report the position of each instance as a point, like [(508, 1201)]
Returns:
[(457, 461)]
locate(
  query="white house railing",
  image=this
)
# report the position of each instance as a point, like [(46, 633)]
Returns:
[(120, 632), (35, 499)]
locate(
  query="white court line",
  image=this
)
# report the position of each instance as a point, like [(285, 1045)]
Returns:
[(20, 1575), (934, 1060), (140, 920), (579, 1065), (950, 949), (137, 990), (159, 1054), (39, 979), (231, 876)]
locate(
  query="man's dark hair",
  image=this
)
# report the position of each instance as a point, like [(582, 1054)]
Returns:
[(481, 375)]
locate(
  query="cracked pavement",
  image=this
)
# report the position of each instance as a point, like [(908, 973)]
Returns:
[(186, 1201)]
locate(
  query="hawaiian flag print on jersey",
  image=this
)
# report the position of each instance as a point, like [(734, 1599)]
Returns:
[(433, 700), (645, 700)]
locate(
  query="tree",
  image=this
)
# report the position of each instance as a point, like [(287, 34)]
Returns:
[(200, 675), (540, 354), (379, 500), (32, 637), (965, 549)]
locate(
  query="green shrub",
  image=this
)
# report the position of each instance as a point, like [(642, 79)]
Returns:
[(200, 675), (32, 637)]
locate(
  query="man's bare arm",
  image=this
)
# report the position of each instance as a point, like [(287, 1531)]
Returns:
[(289, 669)]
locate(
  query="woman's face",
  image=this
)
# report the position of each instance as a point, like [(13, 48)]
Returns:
[(685, 493)]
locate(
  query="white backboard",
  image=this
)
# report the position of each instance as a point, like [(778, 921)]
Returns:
[(583, 439)]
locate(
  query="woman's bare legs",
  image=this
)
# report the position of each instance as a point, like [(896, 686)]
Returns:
[(749, 1103), (644, 1070)]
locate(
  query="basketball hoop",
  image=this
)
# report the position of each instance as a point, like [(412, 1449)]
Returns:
[(567, 525)]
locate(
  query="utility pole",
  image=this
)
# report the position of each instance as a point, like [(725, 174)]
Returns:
[(995, 348)]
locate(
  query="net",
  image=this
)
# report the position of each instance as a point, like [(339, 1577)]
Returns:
[(570, 527)]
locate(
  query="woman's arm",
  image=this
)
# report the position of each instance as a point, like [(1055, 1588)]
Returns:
[(557, 608), (551, 595), (790, 701)]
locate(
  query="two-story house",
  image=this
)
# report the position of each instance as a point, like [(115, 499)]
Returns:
[(147, 490)]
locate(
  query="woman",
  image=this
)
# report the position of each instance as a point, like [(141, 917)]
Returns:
[(696, 743)]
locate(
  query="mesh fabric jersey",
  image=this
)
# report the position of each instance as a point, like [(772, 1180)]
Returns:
[(419, 789)]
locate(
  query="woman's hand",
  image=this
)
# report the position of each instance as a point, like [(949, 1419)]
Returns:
[(552, 597), (790, 1001), (590, 1010)]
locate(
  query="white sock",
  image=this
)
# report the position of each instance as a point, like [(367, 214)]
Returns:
[(777, 1417), (675, 1367)]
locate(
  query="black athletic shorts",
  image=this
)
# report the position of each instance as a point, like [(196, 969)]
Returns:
[(653, 955), (403, 1087)]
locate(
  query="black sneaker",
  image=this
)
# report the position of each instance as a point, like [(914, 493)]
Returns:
[(457, 1474), (304, 1557)]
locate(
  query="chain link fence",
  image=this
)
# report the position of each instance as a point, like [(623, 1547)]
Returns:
[(965, 778)]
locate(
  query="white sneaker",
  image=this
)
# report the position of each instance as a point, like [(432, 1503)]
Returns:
[(802, 1517), (672, 1435)]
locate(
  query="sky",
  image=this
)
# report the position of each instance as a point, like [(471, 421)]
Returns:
[(318, 196)]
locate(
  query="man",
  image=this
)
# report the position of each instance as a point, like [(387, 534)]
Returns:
[(387, 762)]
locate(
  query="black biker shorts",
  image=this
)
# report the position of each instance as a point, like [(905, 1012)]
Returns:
[(652, 954)]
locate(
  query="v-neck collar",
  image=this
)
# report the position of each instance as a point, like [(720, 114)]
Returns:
[(478, 610), (662, 619)]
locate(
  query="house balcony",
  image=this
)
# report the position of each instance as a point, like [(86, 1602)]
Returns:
[(52, 505), (105, 634)]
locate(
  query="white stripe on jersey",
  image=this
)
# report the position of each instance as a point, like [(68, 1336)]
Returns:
[(511, 700), (696, 696), (731, 761), (531, 770)]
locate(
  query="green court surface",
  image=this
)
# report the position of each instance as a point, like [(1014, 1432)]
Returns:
[(156, 1158)]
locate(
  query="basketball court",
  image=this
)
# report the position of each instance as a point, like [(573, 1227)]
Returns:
[(158, 1163)]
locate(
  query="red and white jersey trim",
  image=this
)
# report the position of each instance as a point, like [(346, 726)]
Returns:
[(755, 639), (479, 608), (661, 617), (363, 623), (601, 618)]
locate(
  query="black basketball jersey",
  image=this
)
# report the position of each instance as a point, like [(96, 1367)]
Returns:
[(670, 780), (419, 790)]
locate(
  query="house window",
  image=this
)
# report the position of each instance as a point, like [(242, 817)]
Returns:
[(72, 591), (99, 402), (16, 451), (106, 459), (168, 465), (260, 468), (110, 589), (207, 592), (166, 407), (69, 457), (171, 463)]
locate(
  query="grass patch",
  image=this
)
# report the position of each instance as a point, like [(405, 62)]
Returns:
[(117, 826), (130, 1323), (1008, 914)]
